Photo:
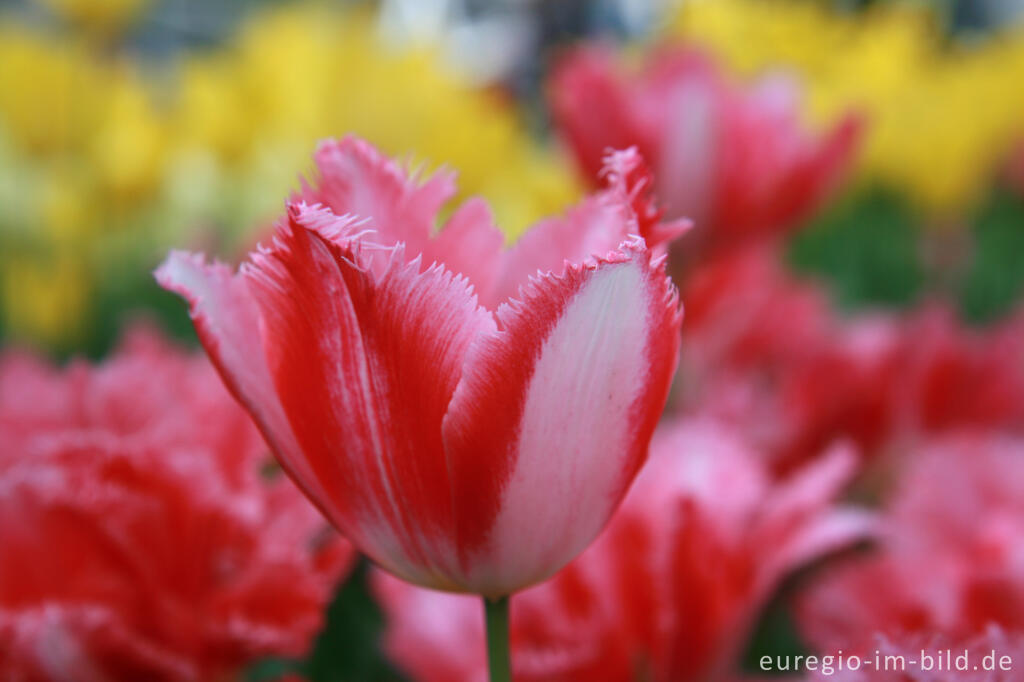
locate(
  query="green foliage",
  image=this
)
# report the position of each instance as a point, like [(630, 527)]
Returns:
[(348, 648), (135, 295), (866, 249), (996, 276), (775, 635)]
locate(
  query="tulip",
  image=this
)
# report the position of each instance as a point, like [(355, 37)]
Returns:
[(793, 389), (951, 562), (467, 416), (140, 535), (671, 589), (736, 160), (877, 379)]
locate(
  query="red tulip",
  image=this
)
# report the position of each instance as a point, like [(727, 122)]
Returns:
[(737, 161), (764, 351), (957, 377), (885, 381), (469, 417), (733, 308), (668, 592), (139, 538), (952, 560), (879, 380)]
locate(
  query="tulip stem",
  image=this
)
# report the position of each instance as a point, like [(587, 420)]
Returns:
[(496, 618)]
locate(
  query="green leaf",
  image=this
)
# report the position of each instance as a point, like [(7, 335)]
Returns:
[(866, 249), (995, 280), (348, 649)]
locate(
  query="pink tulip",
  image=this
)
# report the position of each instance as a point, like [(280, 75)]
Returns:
[(952, 559), (738, 161), (467, 416)]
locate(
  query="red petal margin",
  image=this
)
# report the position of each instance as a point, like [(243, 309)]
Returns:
[(365, 367), (627, 174), (227, 321), (595, 226), (553, 415), (593, 110), (355, 179)]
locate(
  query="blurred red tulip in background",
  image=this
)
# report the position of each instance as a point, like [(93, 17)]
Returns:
[(950, 562), (142, 538), (739, 162)]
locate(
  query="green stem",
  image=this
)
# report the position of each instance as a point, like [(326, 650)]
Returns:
[(496, 618)]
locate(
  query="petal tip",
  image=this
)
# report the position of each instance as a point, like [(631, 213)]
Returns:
[(184, 272)]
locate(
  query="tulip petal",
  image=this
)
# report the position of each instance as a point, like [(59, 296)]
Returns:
[(365, 367), (471, 246), (355, 179), (593, 110), (227, 321), (593, 228), (553, 414), (794, 523), (630, 179)]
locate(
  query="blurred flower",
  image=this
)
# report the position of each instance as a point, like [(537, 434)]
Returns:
[(733, 308), (1015, 168), (483, 447), (740, 163), (951, 561), (958, 377), (111, 160), (878, 380), (301, 74), (47, 95), (141, 540), (941, 115), (891, 381), (669, 591), (793, 388), (36, 295)]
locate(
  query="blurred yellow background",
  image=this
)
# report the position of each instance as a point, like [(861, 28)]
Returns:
[(112, 151), (107, 160)]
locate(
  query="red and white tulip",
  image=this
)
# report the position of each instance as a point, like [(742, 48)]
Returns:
[(669, 592), (737, 160), (468, 416)]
